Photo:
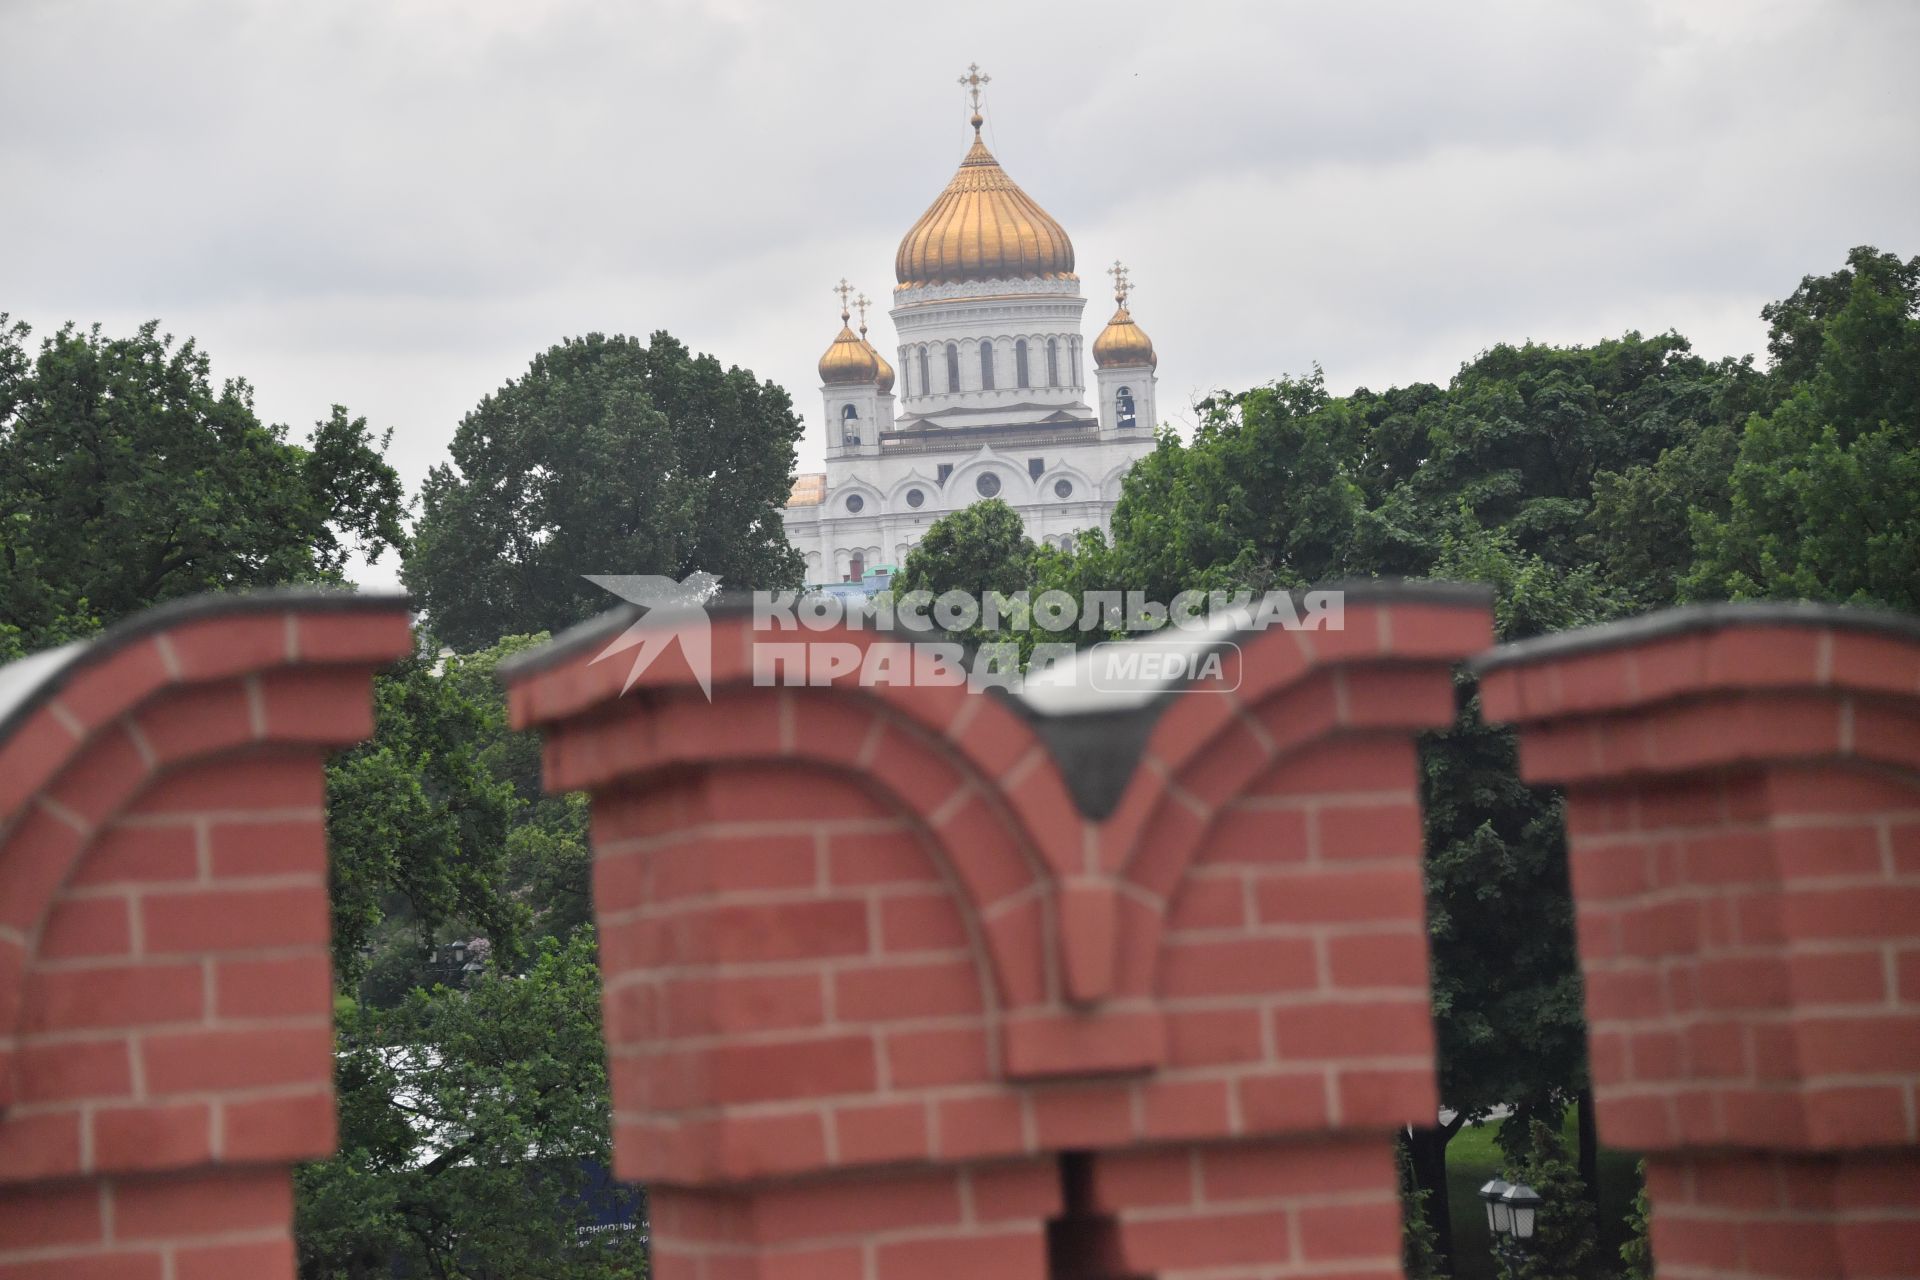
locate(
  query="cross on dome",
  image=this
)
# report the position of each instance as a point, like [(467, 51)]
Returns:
[(843, 289), (862, 302), (973, 80), (1122, 286)]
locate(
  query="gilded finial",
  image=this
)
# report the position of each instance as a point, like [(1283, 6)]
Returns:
[(863, 302), (1121, 285), (973, 80), (843, 289)]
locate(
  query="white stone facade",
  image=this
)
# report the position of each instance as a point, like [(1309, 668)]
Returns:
[(968, 426)]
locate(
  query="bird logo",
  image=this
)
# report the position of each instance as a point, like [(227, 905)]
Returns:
[(673, 611)]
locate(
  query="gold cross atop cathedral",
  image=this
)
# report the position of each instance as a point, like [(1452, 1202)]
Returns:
[(973, 80), (863, 302), (1121, 286), (843, 289)]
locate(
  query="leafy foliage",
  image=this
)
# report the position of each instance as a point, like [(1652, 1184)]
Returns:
[(459, 1095), (471, 1122), (1564, 1238), (126, 480), (980, 548), (1419, 1246), (417, 820), (606, 456), (1821, 496), (1637, 1253)]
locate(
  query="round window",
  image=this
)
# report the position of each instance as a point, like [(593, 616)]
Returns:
[(1063, 488), (855, 502), (987, 485), (915, 497)]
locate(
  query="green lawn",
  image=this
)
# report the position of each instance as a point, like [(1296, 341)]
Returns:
[(1472, 1158)]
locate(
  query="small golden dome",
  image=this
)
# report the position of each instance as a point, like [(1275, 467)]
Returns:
[(1123, 344), (849, 360), (883, 379), (983, 227)]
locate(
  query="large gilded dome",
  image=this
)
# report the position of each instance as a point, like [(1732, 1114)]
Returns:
[(983, 227)]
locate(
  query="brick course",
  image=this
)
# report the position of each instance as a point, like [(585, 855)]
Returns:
[(1743, 793), (165, 982), (864, 949)]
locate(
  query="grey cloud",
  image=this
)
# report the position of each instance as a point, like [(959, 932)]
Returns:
[(396, 205)]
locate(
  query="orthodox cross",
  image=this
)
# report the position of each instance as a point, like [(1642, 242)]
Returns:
[(863, 302), (973, 80), (1121, 286), (843, 289)]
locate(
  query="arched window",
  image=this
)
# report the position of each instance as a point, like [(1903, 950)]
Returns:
[(849, 412), (986, 365), (953, 367), (1123, 407), (856, 567), (1053, 363), (926, 383), (850, 425), (1073, 350), (1020, 363)]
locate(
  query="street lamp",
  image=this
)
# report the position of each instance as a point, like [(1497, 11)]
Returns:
[(1522, 1201), (1511, 1210), (1499, 1216)]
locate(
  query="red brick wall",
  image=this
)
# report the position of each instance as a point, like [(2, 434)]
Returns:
[(165, 983), (864, 953), (1743, 808)]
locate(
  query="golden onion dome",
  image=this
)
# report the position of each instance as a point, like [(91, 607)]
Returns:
[(1123, 344), (983, 227), (849, 360), (883, 377)]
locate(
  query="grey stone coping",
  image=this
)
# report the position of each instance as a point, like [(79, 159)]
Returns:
[(30, 681), (1095, 735), (1692, 618)]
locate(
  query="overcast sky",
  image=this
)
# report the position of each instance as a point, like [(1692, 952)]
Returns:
[(395, 204)]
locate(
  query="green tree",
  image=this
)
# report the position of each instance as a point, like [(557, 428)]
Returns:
[(1821, 503), (1520, 434), (1564, 1237), (126, 479), (1640, 527), (980, 548), (440, 828), (1637, 1253), (1263, 496), (1419, 1248), (606, 456), (418, 824), (471, 1125), (1508, 1009)]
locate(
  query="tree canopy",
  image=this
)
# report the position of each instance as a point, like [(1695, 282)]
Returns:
[(1821, 495), (474, 1135), (606, 456), (977, 549), (127, 479)]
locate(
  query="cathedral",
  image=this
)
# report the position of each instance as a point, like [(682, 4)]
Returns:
[(992, 386)]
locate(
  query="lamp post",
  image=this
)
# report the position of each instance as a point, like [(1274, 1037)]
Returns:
[(1512, 1208)]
